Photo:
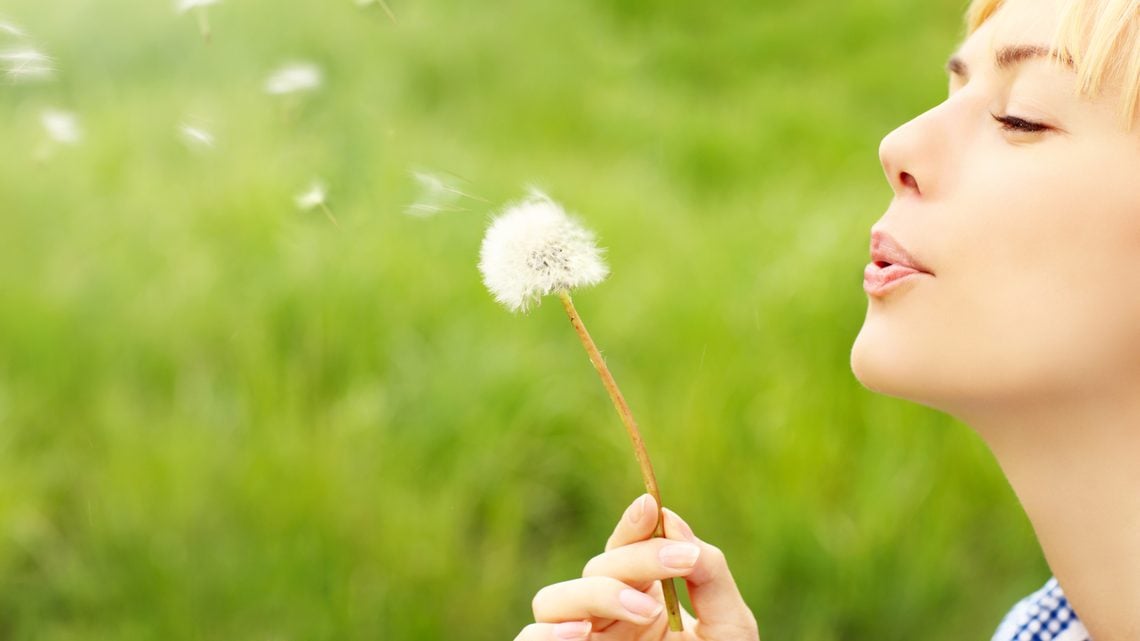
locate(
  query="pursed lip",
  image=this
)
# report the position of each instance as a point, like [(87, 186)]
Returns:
[(885, 251), (891, 265)]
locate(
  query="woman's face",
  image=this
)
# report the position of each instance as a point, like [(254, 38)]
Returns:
[(1032, 238)]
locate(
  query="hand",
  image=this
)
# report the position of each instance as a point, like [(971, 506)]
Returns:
[(619, 597)]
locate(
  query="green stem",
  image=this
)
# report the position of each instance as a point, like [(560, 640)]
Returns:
[(203, 23), (328, 212), (388, 10), (668, 588)]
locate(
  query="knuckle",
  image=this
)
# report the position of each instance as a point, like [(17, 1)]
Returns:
[(593, 589), (591, 567), (611, 542), (714, 556), (528, 633), (605, 586), (539, 600)]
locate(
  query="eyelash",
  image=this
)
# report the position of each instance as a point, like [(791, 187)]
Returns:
[(1013, 123)]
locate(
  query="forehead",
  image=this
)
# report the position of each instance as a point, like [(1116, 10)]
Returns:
[(1016, 22)]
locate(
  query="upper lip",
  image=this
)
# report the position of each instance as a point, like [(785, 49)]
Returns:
[(885, 249)]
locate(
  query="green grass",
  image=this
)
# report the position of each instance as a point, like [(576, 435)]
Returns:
[(221, 418)]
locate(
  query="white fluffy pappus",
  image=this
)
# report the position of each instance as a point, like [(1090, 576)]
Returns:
[(26, 64), (437, 194), (12, 29), (533, 249), (61, 126), (294, 78), (195, 136), (315, 196), (183, 6)]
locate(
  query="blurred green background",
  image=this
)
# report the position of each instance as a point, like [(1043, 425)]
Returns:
[(225, 418)]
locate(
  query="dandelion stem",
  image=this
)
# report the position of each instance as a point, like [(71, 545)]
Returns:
[(328, 212), (668, 588), (388, 10), (203, 23)]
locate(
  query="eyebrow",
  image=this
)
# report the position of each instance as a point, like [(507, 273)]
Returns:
[(1009, 57)]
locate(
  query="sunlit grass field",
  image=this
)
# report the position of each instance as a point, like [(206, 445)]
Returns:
[(223, 418)]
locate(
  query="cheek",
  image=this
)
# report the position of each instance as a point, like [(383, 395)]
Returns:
[(1048, 266), (1037, 292)]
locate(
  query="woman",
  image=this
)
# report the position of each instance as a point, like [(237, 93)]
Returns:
[(1004, 289)]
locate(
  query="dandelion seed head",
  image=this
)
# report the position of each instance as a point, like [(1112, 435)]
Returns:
[(534, 249), (183, 6), (61, 126), (313, 197), (294, 78)]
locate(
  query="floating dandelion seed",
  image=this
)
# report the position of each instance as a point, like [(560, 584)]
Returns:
[(62, 129), (199, 9), (294, 78), (427, 210), (61, 126), (312, 197), (26, 64), (12, 30), (534, 249), (184, 6), (315, 197), (195, 136), (436, 195), (364, 4), (25, 55)]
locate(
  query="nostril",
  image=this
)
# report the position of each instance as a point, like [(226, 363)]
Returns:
[(908, 181)]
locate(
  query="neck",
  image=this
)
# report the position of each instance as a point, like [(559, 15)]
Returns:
[(1075, 466)]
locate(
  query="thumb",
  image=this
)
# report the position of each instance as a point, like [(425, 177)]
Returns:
[(721, 611)]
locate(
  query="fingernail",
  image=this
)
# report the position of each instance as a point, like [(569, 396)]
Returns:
[(681, 528), (679, 556), (572, 630), (640, 603), (638, 509)]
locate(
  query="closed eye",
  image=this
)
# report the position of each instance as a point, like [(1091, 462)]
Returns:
[(1013, 123)]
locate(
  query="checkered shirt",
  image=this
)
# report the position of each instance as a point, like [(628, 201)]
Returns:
[(1044, 615)]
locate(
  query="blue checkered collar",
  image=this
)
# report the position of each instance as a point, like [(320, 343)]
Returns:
[(1044, 615)]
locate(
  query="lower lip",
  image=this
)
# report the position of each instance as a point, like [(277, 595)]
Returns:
[(879, 281)]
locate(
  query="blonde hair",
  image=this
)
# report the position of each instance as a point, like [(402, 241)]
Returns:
[(1101, 36)]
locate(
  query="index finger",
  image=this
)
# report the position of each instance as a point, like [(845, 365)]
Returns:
[(637, 524)]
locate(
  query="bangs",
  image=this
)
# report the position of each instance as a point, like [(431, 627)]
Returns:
[(1103, 38)]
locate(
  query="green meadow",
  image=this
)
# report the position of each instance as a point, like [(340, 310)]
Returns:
[(223, 417)]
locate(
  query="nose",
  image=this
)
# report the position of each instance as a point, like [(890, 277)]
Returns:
[(912, 153)]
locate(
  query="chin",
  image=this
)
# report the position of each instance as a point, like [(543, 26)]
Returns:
[(869, 365), (887, 363)]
